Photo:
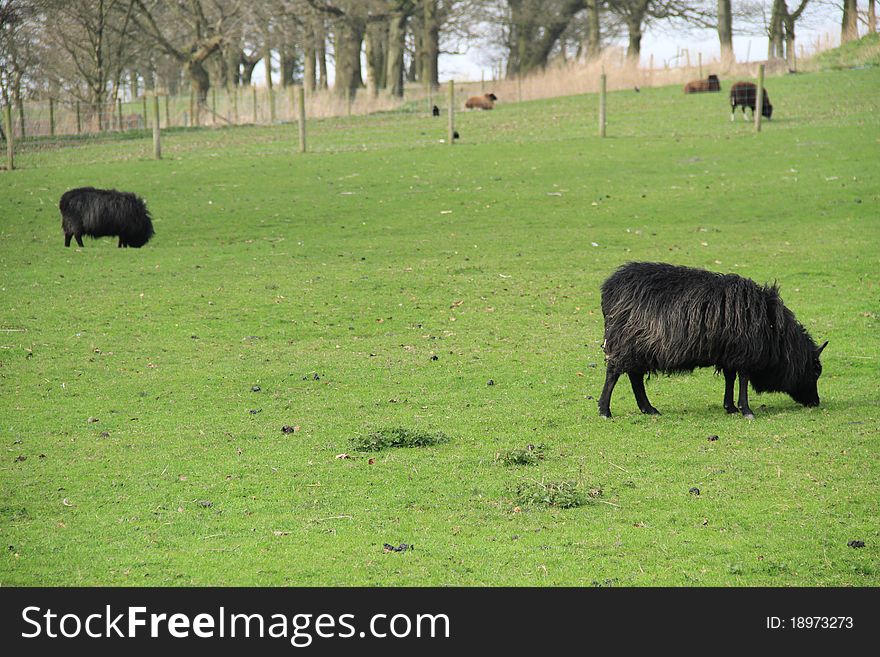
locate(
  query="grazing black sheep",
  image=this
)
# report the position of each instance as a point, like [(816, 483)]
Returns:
[(435, 111), (103, 213), (744, 94), (665, 318)]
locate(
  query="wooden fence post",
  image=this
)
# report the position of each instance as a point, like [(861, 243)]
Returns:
[(759, 98), (51, 117), (157, 143), (301, 107), (700, 64), (167, 114), (348, 101), (119, 113), (235, 104), (10, 140), (450, 133), (519, 87), (254, 89), (78, 119), (602, 85)]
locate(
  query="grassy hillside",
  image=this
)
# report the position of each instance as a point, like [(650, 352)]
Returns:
[(861, 52), (388, 280)]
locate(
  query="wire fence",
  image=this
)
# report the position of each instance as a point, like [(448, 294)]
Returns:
[(46, 123)]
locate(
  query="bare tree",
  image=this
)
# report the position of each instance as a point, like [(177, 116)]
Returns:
[(190, 31), (638, 14), (89, 47), (535, 28), (16, 56)]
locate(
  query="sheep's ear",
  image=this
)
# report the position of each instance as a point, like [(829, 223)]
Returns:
[(824, 344)]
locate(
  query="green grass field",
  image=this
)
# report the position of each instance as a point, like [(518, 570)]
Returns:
[(135, 451)]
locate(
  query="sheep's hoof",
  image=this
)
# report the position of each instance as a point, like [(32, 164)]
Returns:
[(749, 416), (650, 411)]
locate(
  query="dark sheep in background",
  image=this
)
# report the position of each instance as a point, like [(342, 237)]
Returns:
[(485, 102), (666, 318), (712, 83), (435, 111), (104, 213), (744, 94)]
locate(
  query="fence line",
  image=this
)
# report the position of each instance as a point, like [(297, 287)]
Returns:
[(54, 118)]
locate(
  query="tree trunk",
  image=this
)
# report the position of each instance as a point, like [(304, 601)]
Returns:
[(288, 65), (394, 56), (431, 44), (267, 60), (374, 50), (370, 54), (149, 76), (321, 54), (872, 17), (233, 67), (775, 48), (199, 79), (789, 43), (849, 27), (414, 73), (309, 63), (725, 33), (594, 36), (634, 47), (349, 35)]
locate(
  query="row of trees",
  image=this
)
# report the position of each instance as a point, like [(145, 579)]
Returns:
[(90, 50)]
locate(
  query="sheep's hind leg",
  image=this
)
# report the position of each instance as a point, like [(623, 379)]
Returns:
[(638, 385), (744, 397), (605, 398)]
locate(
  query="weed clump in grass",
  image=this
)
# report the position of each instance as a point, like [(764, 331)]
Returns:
[(528, 455), (558, 494), (398, 437)]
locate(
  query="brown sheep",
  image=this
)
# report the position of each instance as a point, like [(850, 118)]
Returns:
[(712, 83), (485, 102)]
